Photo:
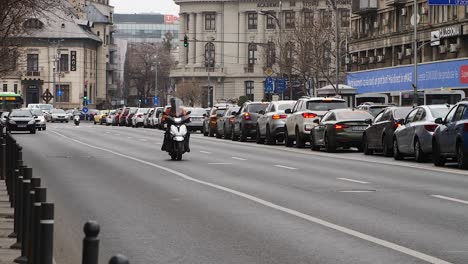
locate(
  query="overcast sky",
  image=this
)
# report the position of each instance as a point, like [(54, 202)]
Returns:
[(145, 6)]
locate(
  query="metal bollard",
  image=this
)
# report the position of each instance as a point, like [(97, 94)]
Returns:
[(91, 243), (19, 164), (27, 234), (2, 164), (26, 214), (119, 259), (46, 235), (40, 195), (19, 208)]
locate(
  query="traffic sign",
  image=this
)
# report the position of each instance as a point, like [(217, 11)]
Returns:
[(85, 109), (269, 72), (435, 38), (47, 96), (156, 100), (280, 85), (59, 92), (268, 85), (448, 2)]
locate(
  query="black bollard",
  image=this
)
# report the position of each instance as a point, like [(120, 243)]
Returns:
[(119, 259), (2, 164), (26, 214), (40, 195), (15, 195), (25, 249), (18, 208), (46, 235), (91, 243)]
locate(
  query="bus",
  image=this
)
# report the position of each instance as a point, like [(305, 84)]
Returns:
[(9, 101)]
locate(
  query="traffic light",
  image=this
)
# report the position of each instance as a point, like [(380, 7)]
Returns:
[(185, 41), (85, 98)]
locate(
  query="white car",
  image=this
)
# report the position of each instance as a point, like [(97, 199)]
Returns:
[(40, 119), (301, 117), (139, 117), (110, 117), (58, 115)]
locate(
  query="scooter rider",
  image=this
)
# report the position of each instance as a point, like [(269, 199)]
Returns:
[(172, 112)]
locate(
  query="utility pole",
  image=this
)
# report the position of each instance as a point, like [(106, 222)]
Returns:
[(337, 43), (156, 79), (208, 63), (415, 51)]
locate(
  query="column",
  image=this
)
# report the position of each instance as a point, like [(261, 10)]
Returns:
[(242, 39), (261, 37), (199, 53), (219, 38), (191, 36), (182, 33)]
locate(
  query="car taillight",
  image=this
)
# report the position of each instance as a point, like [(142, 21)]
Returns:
[(276, 116), (213, 118), (139, 115), (309, 115), (396, 125), (465, 127), (247, 116), (340, 126), (231, 120), (431, 128)]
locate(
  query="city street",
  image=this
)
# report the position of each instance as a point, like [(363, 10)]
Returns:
[(231, 202)]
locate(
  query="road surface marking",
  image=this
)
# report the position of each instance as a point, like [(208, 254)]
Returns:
[(237, 158), (205, 152), (117, 134), (351, 180), (144, 140), (220, 163), (450, 199), (129, 137), (357, 191), (285, 167), (342, 229)]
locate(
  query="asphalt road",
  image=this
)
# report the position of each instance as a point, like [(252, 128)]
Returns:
[(232, 202)]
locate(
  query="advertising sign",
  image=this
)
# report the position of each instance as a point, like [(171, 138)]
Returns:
[(73, 60), (170, 19), (448, 2), (448, 74)]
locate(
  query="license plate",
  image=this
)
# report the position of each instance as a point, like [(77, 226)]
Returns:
[(22, 125), (359, 128)]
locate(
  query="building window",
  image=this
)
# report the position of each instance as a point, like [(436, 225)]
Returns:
[(289, 19), (209, 55), (63, 63), (33, 62), (289, 53), (271, 54), (345, 17), (251, 57), (15, 88), (210, 21), (308, 18), (252, 20), (33, 24), (249, 90), (271, 22), (62, 93), (5, 87), (325, 17)]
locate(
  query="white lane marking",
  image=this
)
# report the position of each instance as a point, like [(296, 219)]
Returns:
[(450, 199), (375, 240), (129, 137), (107, 132), (334, 156), (237, 158), (144, 140), (285, 167), (220, 163), (351, 180), (117, 134), (205, 152), (357, 191)]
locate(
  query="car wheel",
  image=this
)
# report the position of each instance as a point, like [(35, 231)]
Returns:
[(396, 152), (218, 135), (243, 136), (437, 158), (329, 146), (33, 131), (225, 133), (205, 133), (300, 143), (211, 133), (289, 142), (387, 150), (94, 121), (462, 157), (258, 138), (365, 146), (66, 121), (419, 155), (269, 139), (44, 128), (313, 146), (233, 134)]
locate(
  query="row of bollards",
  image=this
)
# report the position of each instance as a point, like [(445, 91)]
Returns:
[(33, 215)]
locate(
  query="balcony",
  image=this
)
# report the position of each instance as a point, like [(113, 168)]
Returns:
[(362, 7), (395, 2), (198, 71)]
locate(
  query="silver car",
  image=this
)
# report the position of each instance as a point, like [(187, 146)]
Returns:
[(270, 124), (196, 118), (414, 136), (139, 117), (110, 117), (58, 115), (40, 119)]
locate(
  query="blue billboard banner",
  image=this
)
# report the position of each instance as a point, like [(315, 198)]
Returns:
[(280, 86), (447, 74), (448, 2)]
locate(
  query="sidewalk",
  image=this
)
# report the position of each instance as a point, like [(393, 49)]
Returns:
[(7, 255)]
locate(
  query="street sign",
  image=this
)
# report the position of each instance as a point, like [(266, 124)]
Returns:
[(268, 85), (47, 96), (280, 85), (85, 109), (88, 101), (59, 92), (448, 2), (435, 38), (146, 101), (156, 100), (269, 72)]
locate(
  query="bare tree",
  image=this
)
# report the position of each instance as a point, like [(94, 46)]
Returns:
[(191, 93)]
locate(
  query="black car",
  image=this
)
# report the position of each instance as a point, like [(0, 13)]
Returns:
[(21, 120), (245, 121), (379, 135)]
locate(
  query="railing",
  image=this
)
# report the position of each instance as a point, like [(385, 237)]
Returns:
[(33, 73), (33, 215)]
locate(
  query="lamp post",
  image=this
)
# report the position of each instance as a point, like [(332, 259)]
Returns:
[(208, 62), (415, 50)]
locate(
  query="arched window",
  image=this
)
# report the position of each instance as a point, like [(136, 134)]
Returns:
[(252, 56), (33, 23), (271, 54), (289, 52), (209, 55)]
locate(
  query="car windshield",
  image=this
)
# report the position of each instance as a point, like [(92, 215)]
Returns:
[(37, 112), (255, 108), (282, 107), (324, 105), (57, 111), (143, 110), (46, 107), (220, 111), (21, 113), (197, 111), (375, 110), (401, 113), (439, 111), (353, 115)]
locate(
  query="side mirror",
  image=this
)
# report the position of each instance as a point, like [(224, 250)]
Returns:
[(368, 121), (204, 115), (401, 121), (189, 112), (316, 121), (233, 113), (439, 121), (261, 112), (288, 111)]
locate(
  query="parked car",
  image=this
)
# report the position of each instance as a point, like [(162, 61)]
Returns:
[(139, 117), (373, 109), (100, 117), (301, 117), (43, 107), (123, 116), (91, 113), (450, 139), (270, 124), (40, 119), (414, 136), (155, 120), (116, 120), (196, 118), (21, 120), (340, 128), (131, 113), (110, 117), (379, 135), (209, 122), (3, 118), (58, 115), (162, 117), (245, 121), (147, 118), (225, 123)]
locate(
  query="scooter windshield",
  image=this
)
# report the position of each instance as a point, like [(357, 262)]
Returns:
[(176, 107)]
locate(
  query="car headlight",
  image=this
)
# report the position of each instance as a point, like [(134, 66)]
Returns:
[(12, 122), (32, 122)]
